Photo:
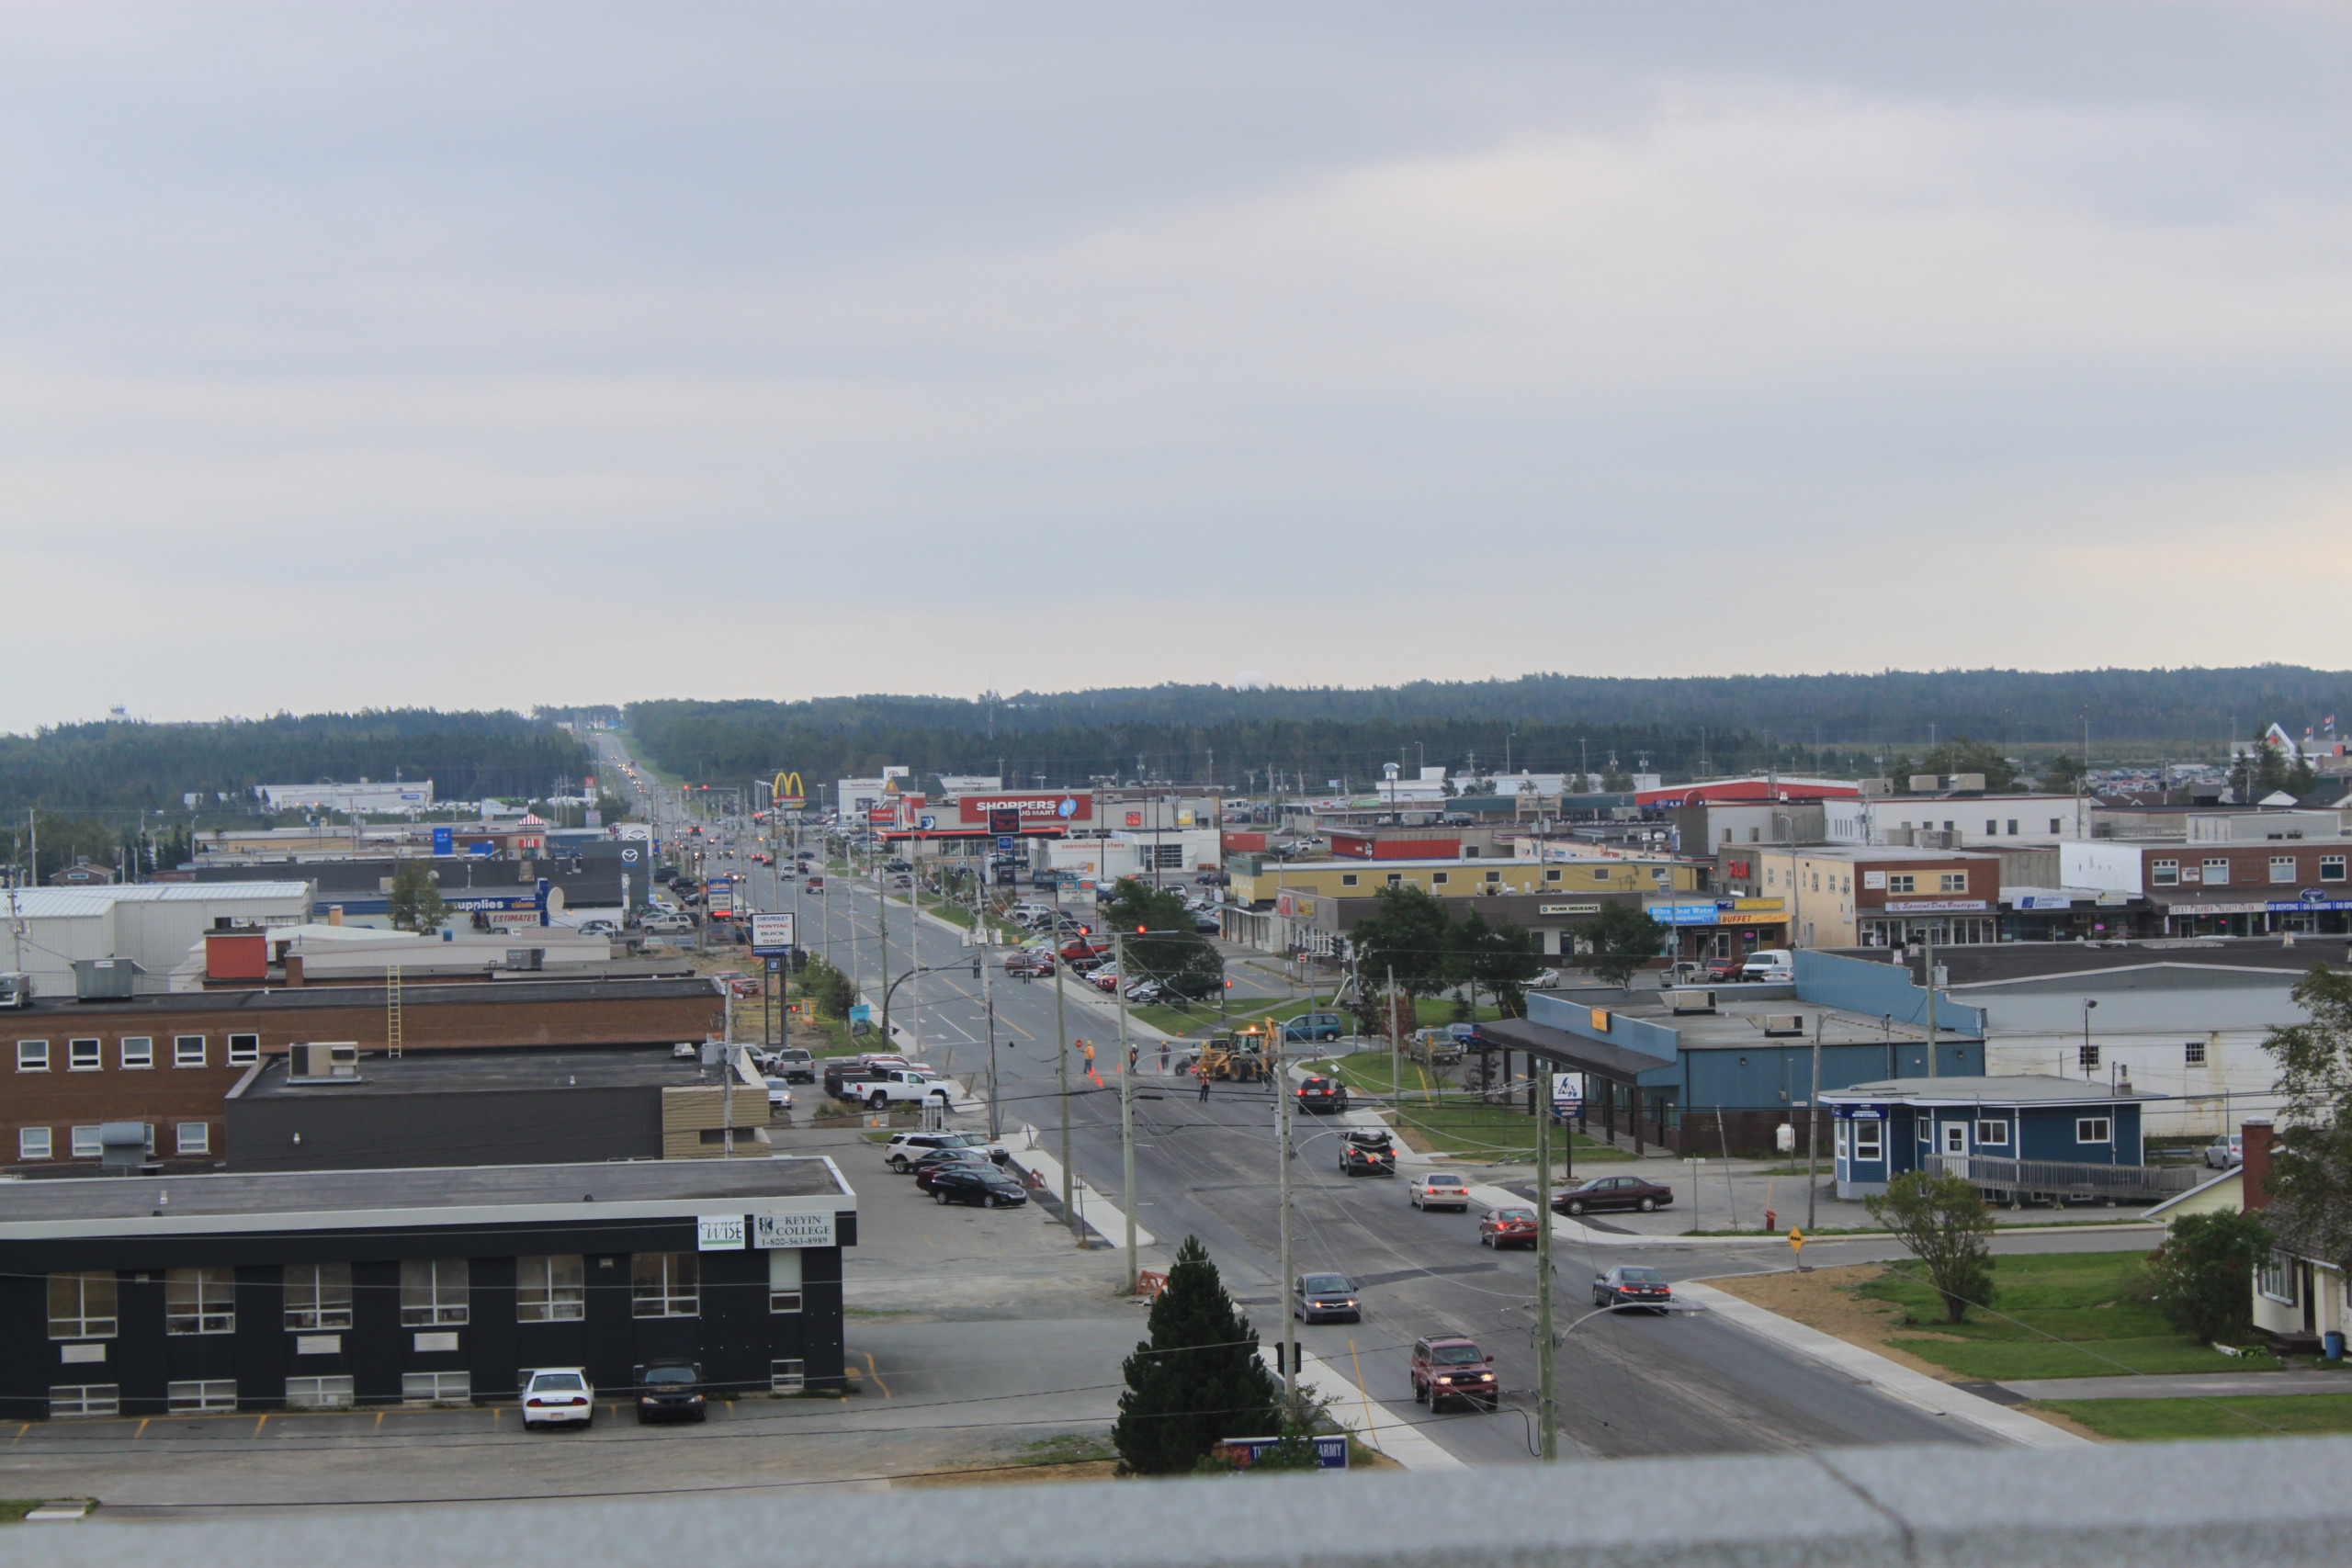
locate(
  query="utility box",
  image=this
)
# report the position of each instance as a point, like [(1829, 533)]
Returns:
[(237, 955), (1780, 1025), (104, 979), (1689, 1001)]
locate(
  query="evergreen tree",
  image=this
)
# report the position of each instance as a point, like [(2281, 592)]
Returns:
[(1198, 1380)]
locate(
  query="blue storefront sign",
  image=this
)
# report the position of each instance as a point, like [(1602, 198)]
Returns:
[(443, 842), (1331, 1451)]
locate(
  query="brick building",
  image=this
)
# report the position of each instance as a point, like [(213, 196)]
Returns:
[(166, 1061)]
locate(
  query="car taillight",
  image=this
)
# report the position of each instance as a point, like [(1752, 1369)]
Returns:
[(535, 1403)]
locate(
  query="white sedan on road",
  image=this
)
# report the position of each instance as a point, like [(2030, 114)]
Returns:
[(558, 1396), (1439, 1190)]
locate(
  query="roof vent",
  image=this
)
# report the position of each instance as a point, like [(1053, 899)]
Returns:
[(1690, 1001), (1780, 1025)]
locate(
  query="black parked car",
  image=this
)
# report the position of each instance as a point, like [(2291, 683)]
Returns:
[(927, 1167), (671, 1391), (978, 1183)]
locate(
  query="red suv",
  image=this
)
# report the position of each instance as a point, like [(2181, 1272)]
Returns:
[(1450, 1366)]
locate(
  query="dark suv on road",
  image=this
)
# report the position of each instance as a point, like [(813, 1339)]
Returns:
[(671, 1391), (1450, 1366)]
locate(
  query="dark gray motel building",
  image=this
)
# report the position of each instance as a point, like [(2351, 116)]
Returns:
[(140, 1295)]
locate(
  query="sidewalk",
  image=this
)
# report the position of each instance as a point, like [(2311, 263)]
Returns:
[(1375, 1424), (1898, 1382), (2181, 1385)]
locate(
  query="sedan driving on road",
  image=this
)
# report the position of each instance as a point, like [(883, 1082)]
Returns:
[(1629, 1284), (1613, 1192), (1439, 1190), (1499, 1228)]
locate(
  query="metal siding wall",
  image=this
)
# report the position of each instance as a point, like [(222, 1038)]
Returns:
[(539, 1126), (492, 1346), (735, 1332), (138, 1358), (24, 1326), (373, 1348), (260, 1349), (820, 1326)]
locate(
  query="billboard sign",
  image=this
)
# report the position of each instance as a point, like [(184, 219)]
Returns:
[(718, 896), (772, 935), (1038, 810), (1004, 821), (443, 842)]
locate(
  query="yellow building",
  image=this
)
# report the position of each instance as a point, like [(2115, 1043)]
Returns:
[(1464, 878)]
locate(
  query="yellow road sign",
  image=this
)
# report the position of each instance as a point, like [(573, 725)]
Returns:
[(1796, 1239)]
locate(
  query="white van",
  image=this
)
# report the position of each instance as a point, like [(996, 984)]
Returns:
[(1772, 966)]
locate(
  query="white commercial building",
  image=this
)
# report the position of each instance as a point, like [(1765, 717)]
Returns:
[(1976, 821), (387, 798), (152, 924)]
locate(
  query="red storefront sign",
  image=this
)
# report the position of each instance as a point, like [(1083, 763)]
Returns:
[(1036, 810)]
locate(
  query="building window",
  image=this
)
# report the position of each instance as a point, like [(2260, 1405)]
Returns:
[(192, 1137), (243, 1049), (2093, 1130), (318, 1295), (85, 1399), (2282, 868), (432, 1290), (783, 1280), (788, 1377), (2053, 824), (2331, 868), (662, 1284), (1992, 1135), (2217, 873), (81, 1056), (2275, 1277), (436, 1388), (137, 1051), (2086, 1057), (2163, 872), (32, 1055), (552, 1290), (2193, 1053), (1551, 874), (1952, 881), (1396, 879), (33, 1143), (2013, 827), (188, 1050), (81, 1305), (211, 1393), (1991, 827), (200, 1301), (1601, 874), (1347, 879), (85, 1142), (319, 1393), (1437, 879), (1902, 882), (1869, 1140)]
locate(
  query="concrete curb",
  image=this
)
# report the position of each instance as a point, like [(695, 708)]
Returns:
[(1098, 1213), (1914, 1389)]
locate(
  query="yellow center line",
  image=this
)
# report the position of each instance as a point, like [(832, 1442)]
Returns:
[(143, 1426), (259, 1422), (380, 1421), (877, 1376)]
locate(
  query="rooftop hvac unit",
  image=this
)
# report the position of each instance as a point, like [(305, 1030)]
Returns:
[(102, 979), (1783, 1024), (318, 1063), (1690, 1001), (525, 958)]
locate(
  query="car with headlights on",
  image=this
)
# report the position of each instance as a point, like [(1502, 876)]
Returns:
[(1317, 1298), (1450, 1366)]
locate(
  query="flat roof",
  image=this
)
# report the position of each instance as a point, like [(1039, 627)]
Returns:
[(53, 903), (2012, 1089), (296, 999), (2010, 962), (1851, 851), (476, 1072), (433, 1195)]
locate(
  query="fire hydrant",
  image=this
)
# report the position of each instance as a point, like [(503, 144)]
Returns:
[(1771, 1222)]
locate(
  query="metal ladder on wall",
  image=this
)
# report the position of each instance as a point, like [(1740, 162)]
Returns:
[(392, 1011)]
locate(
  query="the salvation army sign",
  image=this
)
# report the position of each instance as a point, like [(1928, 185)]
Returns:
[(1062, 806)]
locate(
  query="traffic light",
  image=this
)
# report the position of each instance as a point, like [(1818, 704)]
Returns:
[(975, 966)]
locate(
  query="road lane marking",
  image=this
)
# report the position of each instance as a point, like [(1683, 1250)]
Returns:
[(872, 1372)]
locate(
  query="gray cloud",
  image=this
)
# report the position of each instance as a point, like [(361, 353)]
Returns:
[(439, 354)]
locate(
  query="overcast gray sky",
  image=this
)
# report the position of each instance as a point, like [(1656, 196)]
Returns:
[(485, 355)]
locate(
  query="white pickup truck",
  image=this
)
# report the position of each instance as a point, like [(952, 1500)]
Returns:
[(897, 1086)]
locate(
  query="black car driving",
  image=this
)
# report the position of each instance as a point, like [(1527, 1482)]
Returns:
[(671, 1391), (978, 1183)]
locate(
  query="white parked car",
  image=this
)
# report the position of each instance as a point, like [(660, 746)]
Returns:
[(2226, 1151), (558, 1396)]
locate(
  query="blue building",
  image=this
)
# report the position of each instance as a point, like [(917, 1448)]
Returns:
[(2023, 1138)]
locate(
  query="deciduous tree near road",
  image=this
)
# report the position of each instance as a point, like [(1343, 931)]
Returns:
[(1621, 940), (415, 903), (2199, 1277), (1948, 1229), (1407, 935), (2311, 1166)]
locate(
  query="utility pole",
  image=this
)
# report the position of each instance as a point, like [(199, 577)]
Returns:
[(1126, 1108), (1284, 1155), (1547, 1418), (988, 1005), (1927, 935), (1061, 1076), (1812, 1134)]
